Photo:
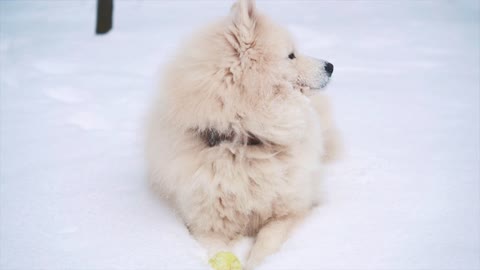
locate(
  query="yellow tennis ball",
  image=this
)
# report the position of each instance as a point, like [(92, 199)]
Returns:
[(225, 261)]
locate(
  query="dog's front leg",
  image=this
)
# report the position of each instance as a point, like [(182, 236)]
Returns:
[(212, 242), (270, 238)]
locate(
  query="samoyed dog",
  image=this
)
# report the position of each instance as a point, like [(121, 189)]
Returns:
[(236, 140)]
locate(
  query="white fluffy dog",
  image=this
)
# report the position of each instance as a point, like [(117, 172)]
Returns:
[(235, 142)]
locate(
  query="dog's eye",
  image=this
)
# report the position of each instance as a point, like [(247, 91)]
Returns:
[(292, 56)]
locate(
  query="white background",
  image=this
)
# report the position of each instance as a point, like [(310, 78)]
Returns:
[(405, 91)]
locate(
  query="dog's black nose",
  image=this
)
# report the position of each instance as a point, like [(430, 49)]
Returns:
[(329, 69)]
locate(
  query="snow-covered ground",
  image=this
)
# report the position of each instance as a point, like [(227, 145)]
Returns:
[(405, 90)]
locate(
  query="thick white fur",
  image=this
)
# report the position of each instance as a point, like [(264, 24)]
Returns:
[(235, 77)]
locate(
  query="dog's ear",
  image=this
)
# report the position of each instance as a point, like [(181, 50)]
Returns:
[(243, 11), (242, 30)]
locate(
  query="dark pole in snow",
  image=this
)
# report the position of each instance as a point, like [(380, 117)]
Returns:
[(104, 16)]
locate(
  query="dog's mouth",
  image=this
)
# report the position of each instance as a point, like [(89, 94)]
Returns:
[(307, 89)]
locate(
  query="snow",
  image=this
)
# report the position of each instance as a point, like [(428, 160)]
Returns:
[(405, 90)]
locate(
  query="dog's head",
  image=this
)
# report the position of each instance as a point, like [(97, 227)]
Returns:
[(266, 48)]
